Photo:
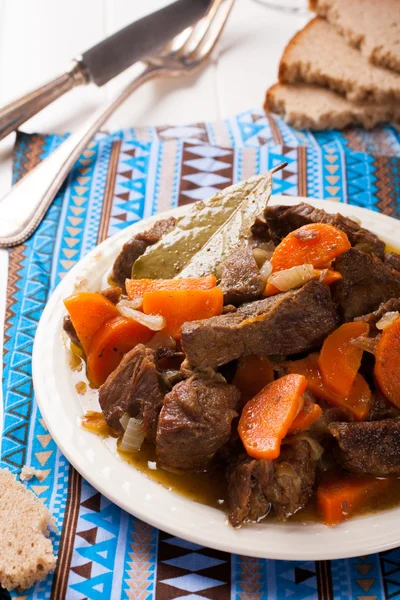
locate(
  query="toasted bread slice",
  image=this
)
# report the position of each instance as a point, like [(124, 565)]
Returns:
[(372, 26), (318, 54), (26, 554), (311, 107)]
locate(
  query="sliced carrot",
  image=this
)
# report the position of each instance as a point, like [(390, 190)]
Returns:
[(265, 420), (88, 312), (310, 413), (253, 373), (340, 359), (327, 276), (180, 306), (338, 498), (137, 287), (271, 290), (387, 361), (358, 402), (315, 244), (114, 339)]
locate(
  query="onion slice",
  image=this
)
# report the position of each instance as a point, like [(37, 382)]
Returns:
[(366, 343), (266, 270), (124, 420), (133, 437), (161, 340), (388, 319), (294, 277), (153, 322), (260, 256), (355, 219)]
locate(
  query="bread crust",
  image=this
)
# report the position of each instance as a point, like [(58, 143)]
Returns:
[(291, 45), (26, 552), (311, 107), (371, 26), (319, 55)]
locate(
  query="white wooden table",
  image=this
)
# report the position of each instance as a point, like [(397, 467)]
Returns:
[(38, 38)]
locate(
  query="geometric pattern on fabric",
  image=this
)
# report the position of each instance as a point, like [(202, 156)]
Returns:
[(118, 180)]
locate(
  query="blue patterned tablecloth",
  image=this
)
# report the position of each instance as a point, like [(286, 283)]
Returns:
[(119, 179)]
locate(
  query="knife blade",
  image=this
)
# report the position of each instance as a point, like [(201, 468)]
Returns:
[(107, 59), (116, 53)]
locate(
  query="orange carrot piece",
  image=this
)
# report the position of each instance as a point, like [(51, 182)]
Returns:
[(337, 499), (340, 360), (180, 306), (88, 312), (387, 360), (114, 339), (265, 420), (327, 276), (358, 402), (310, 413), (315, 244), (271, 290), (137, 287), (253, 373)]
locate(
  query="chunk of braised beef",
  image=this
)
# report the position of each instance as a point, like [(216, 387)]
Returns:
[(381, 408), (194, 423), (330, 414), (286, 324), (282, 220), (369, 448), (240, 279), (260, 237), (392, 260), (70, 331), (285, 484), (366, 284), (392, 305), (228, 308), (135, 387), (136, 246), (112, 293)]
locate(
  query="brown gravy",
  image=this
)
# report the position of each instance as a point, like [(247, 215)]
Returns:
[(209, 487)]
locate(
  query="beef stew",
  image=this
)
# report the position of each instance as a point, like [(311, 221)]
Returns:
[(170, 405)]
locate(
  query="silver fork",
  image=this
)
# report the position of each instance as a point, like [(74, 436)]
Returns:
[(24, 207)]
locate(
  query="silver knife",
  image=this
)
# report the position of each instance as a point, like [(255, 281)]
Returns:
[(107, 59)]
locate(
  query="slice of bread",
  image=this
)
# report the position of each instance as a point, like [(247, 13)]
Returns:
[(311, 107), (26, 553), (372, 26), (27, 473), (318, 54)]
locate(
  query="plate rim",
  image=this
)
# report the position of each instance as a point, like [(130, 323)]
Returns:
[(332, 544)]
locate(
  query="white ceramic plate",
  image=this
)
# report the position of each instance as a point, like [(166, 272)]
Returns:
[(61, 408)]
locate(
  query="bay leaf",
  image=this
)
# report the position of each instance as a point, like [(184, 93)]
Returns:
[(232, 233), (167, 258)]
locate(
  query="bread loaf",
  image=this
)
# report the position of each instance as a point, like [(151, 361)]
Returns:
[(306, 106), (319, 55), (372, 26)]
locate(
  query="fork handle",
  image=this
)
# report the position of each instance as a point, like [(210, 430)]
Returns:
[(24, 207), (20, 110)]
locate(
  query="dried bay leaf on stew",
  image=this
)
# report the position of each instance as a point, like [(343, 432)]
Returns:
[(235, 206), (231, 233)]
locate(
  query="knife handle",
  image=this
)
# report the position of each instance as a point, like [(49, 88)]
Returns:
[(20, 110)]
